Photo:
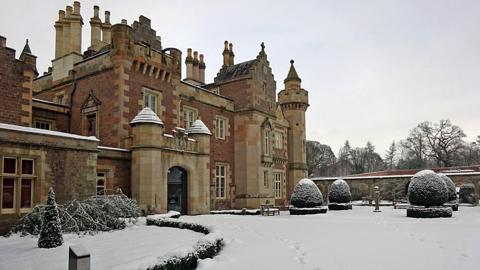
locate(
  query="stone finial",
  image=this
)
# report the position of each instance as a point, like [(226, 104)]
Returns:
[(262, 45)]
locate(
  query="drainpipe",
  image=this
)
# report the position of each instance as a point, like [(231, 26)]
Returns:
[(74, 88)]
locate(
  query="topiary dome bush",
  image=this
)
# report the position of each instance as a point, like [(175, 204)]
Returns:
[(467, 193), (306, 195), (427, 189), (339, 192), (452, 192)]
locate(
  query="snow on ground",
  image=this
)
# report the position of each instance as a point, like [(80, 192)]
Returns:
[(355, 239), (136, 247)]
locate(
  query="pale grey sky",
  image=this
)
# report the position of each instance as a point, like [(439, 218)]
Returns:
[(374, 69)]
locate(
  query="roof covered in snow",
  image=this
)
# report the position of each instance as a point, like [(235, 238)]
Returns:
[(46, 132), (198, 127), (146, 115)]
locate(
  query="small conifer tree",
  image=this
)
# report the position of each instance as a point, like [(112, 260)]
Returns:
[(50, 233)]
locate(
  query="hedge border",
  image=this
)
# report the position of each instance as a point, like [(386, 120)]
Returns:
[(207, 247), (434, 212), (339, 206), (307, 211), (453, 205), (247, 212)]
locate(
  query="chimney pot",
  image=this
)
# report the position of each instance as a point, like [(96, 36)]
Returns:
[(69, 11), (3, 42), (124, 21), (61, 15), (96, 9), (76, 8), (107, 16)]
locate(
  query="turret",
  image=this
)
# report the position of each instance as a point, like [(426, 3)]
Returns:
[(294, 103), (200, 133)]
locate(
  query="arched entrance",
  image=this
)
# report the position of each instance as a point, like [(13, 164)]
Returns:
[(177, 190)]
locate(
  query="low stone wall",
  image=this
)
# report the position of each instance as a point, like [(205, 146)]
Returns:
[(63, 161)]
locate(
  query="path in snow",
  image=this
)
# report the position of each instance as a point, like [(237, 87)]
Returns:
[(357, 239)]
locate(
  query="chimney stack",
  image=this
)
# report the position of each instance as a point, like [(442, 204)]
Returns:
[(96, 30), (72, 30), (76, 8), (201, 70), (189, 64), (195, 65), (3, 42), (226, 55), (59, 34), (232, 55), (107, 29)]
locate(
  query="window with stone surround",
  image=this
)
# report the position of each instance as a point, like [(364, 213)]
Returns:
[(150, 100), (277, 178), (266, 142), (101, 183), (278, 136), (189, 116), (220, 180), (17, 176), (265, 179), (220, 127), (43, 124)]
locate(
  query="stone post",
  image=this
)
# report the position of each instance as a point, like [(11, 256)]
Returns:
[(78, 258), (377, 200)]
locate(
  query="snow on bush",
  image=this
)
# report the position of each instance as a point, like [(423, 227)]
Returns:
[(427, 189), (169, 214), (452, 191), (96, 213), (50, 232), (339, 192), (306, 195), (467, 193), (206, 247), (434, 212)]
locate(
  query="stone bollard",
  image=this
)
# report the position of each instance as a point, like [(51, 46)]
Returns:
[(377, 200), (78, 258), (244, 211)]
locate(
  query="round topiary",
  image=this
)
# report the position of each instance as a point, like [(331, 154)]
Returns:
[(452, 191), (467, 193), (427, 189), (306, 195), (339, 192)]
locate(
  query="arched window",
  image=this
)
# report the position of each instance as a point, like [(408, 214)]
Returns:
[(101, 183)]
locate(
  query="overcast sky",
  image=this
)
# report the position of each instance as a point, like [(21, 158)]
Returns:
[(374, 69)]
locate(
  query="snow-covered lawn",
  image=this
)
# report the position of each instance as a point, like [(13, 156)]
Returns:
[(355, 239), (133, 248)]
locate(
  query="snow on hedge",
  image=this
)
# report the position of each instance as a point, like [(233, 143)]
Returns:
[(306, 194), (452, 191), (427, 189), (339, 192)]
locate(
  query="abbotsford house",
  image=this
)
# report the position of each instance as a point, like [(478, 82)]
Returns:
[(120, 115)]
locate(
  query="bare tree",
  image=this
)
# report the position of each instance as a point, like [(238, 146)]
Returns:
[(320, 159), (444, 141)]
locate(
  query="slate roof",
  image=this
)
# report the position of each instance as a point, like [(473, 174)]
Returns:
[(234, 71)]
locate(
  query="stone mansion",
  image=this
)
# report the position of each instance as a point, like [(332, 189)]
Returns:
[(119, 114)]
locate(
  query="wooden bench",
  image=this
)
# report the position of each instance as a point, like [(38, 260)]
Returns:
[(269, 210)]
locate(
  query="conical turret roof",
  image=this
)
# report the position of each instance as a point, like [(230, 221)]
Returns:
[(292, 74), (198, 127), (146, 115)]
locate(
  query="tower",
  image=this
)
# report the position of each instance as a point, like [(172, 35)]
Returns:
[(294, 103)]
